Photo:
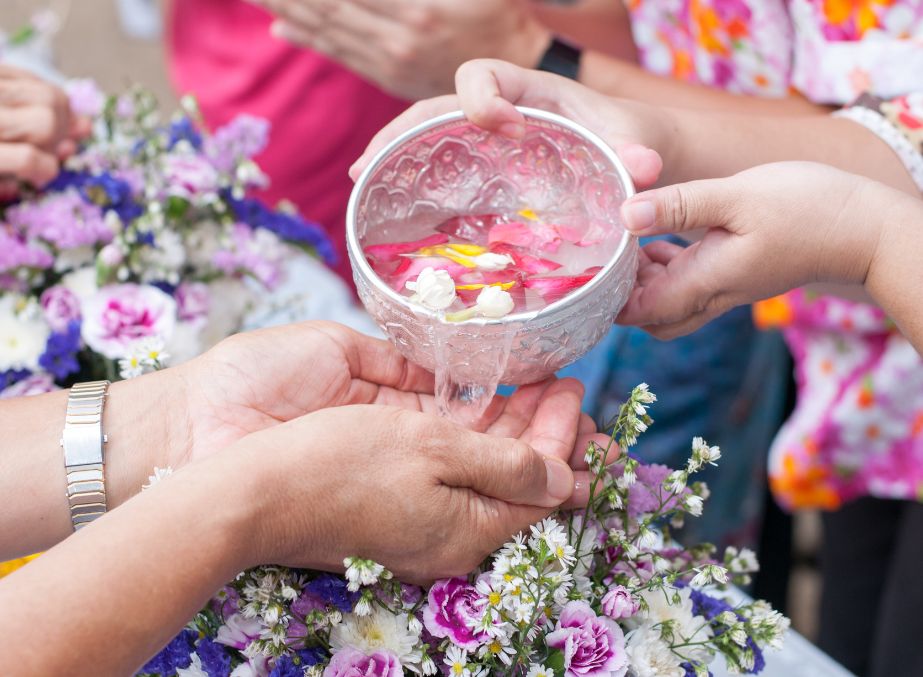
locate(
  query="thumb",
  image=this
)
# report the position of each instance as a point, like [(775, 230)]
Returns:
[(679, 208), (510, 471)]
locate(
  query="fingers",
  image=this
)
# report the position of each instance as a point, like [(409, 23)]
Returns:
[(27, 163), (37, 112), (374, 364), (488, 91), (643, 163), (507, 470), (417, 113), (553, 429), (680, 208)]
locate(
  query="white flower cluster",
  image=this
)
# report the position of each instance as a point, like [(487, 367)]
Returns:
[(146, 355)]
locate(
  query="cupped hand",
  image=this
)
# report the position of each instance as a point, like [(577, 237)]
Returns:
[(770, 229), (37, 130), (411, 48), (488, 92), (257, 380), (422, 496)]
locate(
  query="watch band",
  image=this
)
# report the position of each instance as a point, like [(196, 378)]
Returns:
[(83, 442), (561, 58)]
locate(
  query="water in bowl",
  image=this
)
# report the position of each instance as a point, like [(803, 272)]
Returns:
[(485, 265)]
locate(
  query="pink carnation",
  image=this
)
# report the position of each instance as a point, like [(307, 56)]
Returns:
[(619, 603), (37, 384), (193, 299), (61, 307), (189, 175), (351, 663), (118, 315), (593, 646), (451, 607)]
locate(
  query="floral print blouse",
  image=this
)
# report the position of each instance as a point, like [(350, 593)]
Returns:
[(857, 429)]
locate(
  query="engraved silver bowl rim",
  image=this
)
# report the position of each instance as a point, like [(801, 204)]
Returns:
[(360, 262)]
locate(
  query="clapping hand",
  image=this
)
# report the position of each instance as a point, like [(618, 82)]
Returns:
[(412, 47)]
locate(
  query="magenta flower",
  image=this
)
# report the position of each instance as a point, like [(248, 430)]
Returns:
[(619, 603), (118, 315), (393, 251), (553, 288), (61, 307), (451, 607), (593, 646), (351, 663)]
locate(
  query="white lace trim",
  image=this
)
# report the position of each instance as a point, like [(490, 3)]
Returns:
[(879, 125)]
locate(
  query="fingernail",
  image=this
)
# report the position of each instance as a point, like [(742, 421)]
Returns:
[(514, 130), (638, 215), (560, 479)]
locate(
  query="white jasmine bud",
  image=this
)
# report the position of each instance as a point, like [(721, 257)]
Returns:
[(433, 289)]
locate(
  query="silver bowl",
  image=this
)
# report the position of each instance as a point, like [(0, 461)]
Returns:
[(447, 166)]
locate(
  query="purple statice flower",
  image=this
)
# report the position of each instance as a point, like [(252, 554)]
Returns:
[(65, 220), (16, 252), (451, 611), (60, 356), (174, 655), (689, 671), (85, 97), (289, 227), (647, 494), (349, 662), (242, 138), (593, 646), (216, 661), (60, 306), (252, 252), (183, 129), (287, 667), (332, 591), (704, 604)]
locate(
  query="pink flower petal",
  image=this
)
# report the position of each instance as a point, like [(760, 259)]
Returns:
[(390, 252), (531, 236), (557, 287), (532, 265)]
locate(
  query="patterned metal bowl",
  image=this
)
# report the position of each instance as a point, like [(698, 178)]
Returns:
[(447, 166)]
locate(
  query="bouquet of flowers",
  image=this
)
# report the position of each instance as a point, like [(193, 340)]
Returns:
[(146, 244), (599, 592)]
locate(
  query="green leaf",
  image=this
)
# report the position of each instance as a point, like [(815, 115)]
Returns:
[(556, 662)]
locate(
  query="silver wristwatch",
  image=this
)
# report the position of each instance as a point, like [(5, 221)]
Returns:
[(83, 442)]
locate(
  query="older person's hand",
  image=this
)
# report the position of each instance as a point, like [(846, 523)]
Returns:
[(423, 496), (412, 48), (37, 130), (769, 229), (257, 380), (489, 91)]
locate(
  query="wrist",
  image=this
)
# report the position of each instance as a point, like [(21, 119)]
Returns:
[(145, 422), (896, 243)]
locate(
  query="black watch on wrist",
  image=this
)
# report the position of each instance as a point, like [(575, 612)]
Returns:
[(561, 58)]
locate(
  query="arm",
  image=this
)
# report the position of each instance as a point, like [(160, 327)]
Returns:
[(142, 571), (244, 385)]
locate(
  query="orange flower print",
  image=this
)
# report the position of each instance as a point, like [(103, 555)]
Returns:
[(848, 20), (800, 485), (773, 313)]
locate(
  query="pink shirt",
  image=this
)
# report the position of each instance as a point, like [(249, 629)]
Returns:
[(322, 114)]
